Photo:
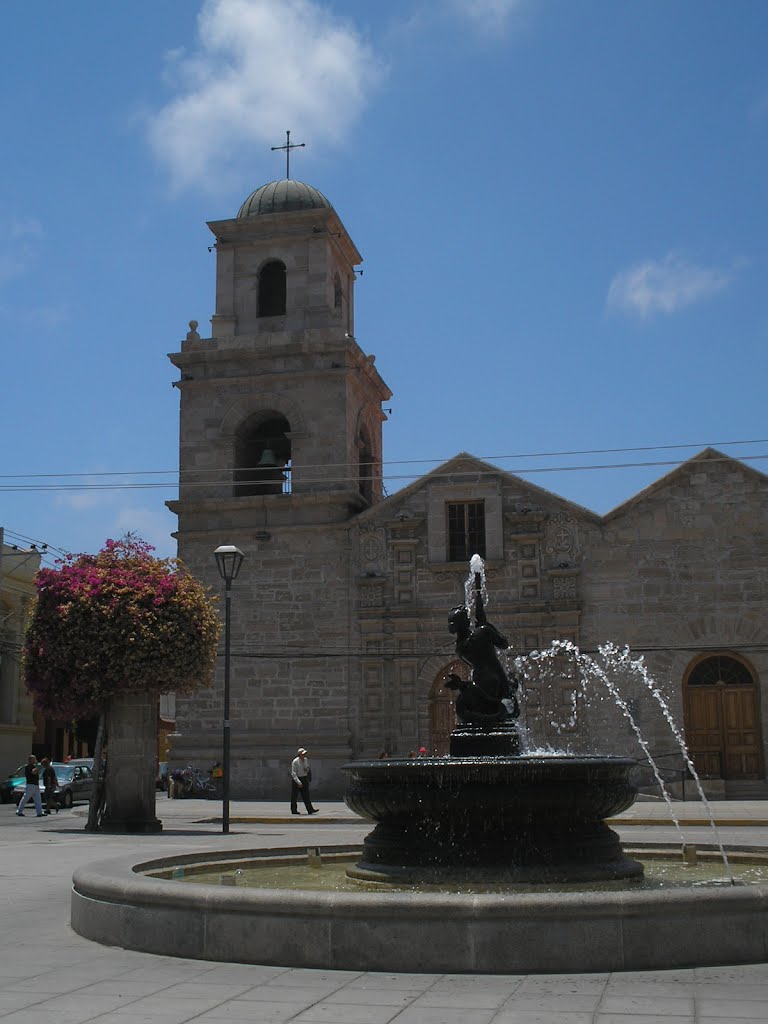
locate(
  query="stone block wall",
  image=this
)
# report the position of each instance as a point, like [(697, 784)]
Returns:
[(290, 660)]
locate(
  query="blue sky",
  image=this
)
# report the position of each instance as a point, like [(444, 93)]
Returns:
[(561, 205)]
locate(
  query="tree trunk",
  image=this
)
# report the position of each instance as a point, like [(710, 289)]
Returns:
[(131, 774), (97, 800)]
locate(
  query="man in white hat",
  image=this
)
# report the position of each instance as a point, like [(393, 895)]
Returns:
[(301, 776)]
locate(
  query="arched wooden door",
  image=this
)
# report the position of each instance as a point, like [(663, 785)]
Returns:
[(722, 718), (442, 710)]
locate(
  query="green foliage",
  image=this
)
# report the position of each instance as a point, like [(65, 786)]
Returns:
[(115, 621)]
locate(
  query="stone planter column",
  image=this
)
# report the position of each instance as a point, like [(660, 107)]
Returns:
[(131, 764)]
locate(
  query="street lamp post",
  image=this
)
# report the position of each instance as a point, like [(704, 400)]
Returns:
[(228, 559)]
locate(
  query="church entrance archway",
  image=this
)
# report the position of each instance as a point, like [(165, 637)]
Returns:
[(442, 710), (721, 707)]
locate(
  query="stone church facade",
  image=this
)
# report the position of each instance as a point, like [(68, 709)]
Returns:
[(339, 614)]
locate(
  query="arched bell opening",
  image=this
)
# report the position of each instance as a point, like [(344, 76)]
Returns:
[(721, 709), (272, 289), (262, 456)]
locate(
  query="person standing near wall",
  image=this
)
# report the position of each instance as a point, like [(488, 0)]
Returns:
[(32, 788), (50, 782), (301, 776)]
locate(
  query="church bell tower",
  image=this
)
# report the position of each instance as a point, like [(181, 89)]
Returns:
[(281, 400), (280, 447)]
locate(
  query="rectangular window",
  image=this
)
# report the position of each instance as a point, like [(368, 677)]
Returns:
[(466, 530)]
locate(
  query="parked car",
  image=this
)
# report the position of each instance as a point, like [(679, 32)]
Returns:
[(87, 761), (75, 783), (7, 786)]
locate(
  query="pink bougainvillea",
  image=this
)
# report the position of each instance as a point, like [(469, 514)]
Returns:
[(115, 621)]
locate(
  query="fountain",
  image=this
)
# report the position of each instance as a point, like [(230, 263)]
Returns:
[(488, 810), (564, 896)]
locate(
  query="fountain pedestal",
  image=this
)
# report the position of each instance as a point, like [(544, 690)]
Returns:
[(503, 740), (516, 819)]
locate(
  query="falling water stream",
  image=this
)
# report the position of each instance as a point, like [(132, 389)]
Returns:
[(614, 662)]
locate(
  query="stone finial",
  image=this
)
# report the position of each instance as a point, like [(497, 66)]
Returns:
[(192, 334)]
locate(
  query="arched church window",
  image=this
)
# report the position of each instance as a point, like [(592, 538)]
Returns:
[(365, 466), (337, 292), (720, 669), (262, 456), (272, 289)]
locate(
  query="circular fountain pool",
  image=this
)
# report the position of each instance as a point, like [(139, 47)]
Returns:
[(314, 871), (122, 902)]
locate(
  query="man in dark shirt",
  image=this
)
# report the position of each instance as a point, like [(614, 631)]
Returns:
[(32, 789), (50, 782)]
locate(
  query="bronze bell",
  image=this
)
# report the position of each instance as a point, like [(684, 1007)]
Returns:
[(268, 460)]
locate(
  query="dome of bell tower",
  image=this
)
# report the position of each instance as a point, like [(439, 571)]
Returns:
[(283, 196)]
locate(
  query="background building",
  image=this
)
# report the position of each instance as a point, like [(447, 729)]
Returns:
[(340, 638), (17, 727)]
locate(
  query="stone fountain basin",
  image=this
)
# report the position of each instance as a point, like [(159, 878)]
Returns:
[(523, 789), (112, 903), (525, 817)]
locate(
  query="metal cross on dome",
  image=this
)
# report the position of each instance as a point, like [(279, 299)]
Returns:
[(288, 147)]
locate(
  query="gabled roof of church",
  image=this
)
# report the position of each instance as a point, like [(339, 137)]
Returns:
[(464, 462), (706, 455)]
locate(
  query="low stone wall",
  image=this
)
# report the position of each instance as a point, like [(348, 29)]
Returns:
[(446, 933)]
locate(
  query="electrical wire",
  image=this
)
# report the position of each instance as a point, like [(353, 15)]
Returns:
[(354, 468), (352, 480), (32, 540)]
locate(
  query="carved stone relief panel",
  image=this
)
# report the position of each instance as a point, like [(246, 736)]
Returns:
[(564, 587), (456, 581), (561, 538), (372, 551), (371, 593)]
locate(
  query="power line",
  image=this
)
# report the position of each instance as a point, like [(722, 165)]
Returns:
[(32, 541), (353, 480), (325, 466)]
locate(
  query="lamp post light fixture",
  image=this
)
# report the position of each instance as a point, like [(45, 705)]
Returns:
[(228, 559)]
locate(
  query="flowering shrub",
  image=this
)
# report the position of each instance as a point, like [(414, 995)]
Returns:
[(115, 621)]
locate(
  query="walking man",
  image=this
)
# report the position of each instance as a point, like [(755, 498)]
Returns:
[(50, 782), (32, 788), (301, 776)]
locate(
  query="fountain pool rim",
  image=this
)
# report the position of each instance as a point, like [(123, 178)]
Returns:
[(114, 904)]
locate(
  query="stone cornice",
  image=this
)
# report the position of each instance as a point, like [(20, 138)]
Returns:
[(320, 223)]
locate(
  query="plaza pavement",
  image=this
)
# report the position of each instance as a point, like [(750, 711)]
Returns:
[(49, 975)]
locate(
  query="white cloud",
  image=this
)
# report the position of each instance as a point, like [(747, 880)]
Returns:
[(260, 67), (663, 286), (489, 15), (83, 500), (19, 238)]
